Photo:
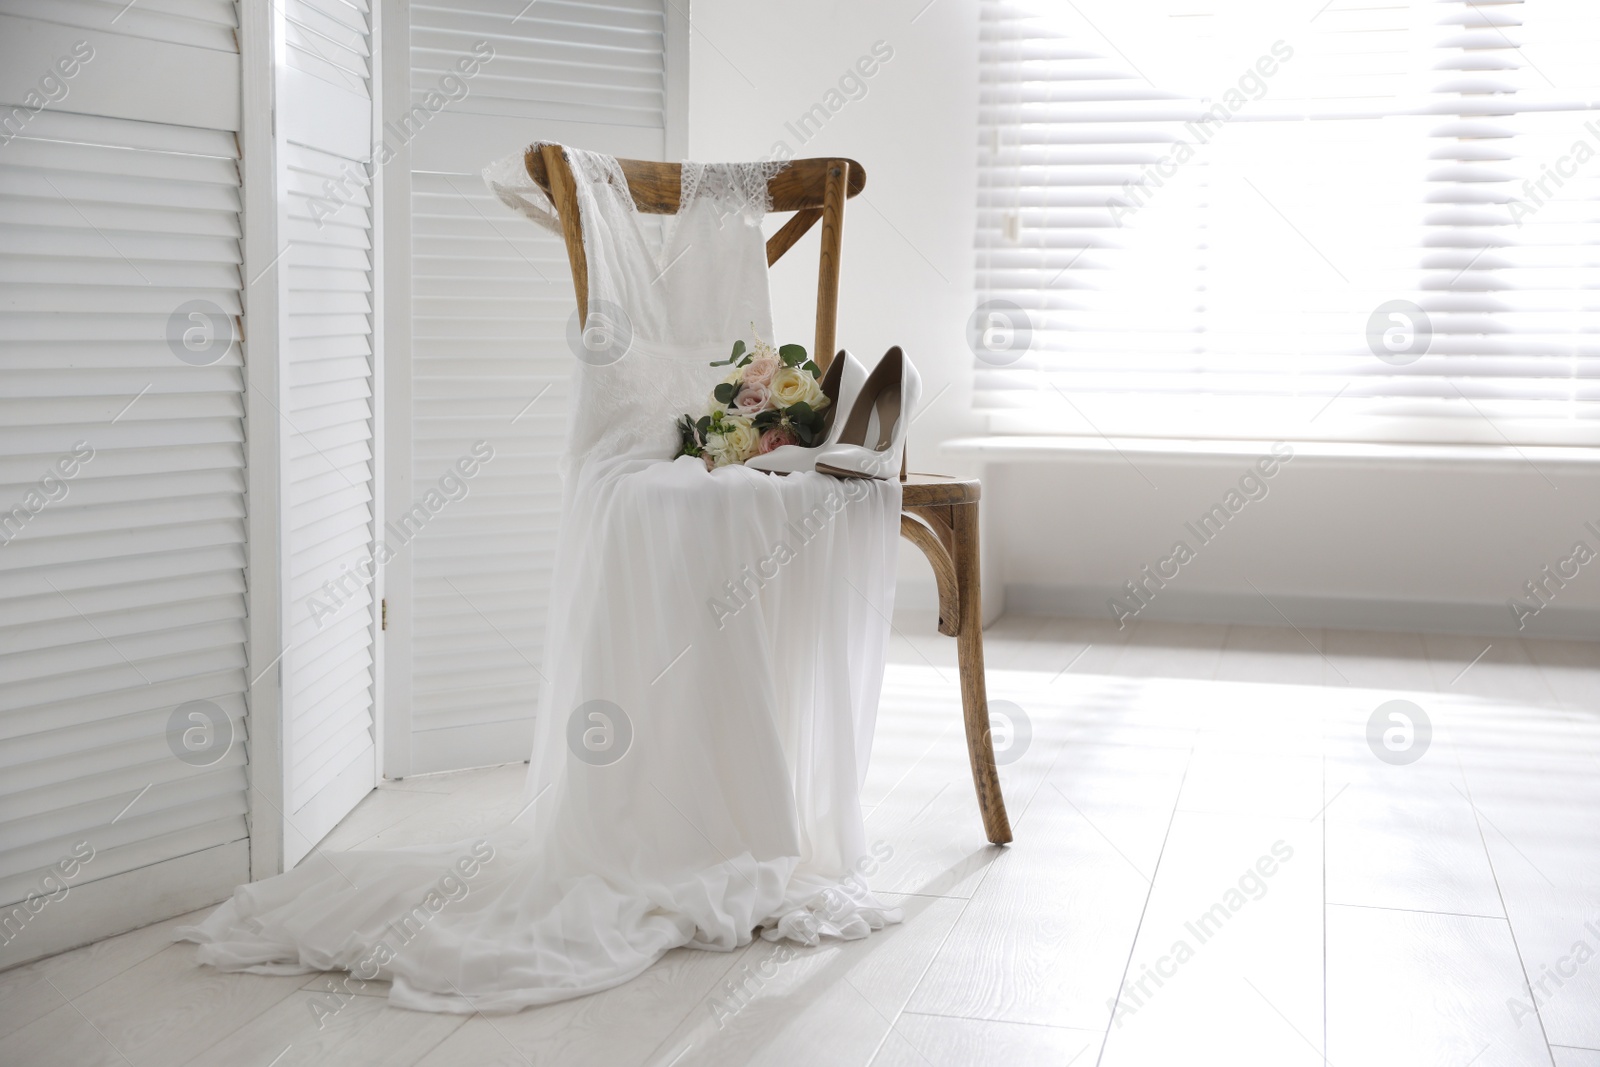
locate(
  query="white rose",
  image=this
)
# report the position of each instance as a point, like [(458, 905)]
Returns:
[(740, 437), (791, 386)]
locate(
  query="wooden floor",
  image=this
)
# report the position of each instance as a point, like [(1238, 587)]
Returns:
[(1211, 865)]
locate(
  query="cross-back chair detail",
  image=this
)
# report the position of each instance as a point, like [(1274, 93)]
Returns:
[(939, 513), (814, 189)]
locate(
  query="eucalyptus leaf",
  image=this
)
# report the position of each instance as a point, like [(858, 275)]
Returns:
[(793, 355), (738, 350)]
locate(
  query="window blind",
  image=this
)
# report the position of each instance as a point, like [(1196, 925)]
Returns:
[(1376, 222)]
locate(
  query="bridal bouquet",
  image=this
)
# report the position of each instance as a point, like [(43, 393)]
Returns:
[(770, 398)]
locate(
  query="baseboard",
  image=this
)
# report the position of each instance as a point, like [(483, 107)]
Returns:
[(455, 748), (110, 906), (1340, 613)]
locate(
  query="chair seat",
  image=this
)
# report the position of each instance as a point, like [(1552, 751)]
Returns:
[(931, 490)]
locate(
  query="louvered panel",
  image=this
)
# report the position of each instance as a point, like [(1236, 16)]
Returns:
[(488, 324), (491, 297), (329, 40), (138, 854), (187, 590), (197, 801), (1192, 278), (328, 444), (122, 586), (68, 794), (203, 23), (90, 701), (555, 60)]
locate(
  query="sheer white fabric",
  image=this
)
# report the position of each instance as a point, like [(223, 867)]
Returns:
[(733, 623)]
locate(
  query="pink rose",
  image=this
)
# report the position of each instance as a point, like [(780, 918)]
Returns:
[(752, 399), (760, 370), (776, 437)]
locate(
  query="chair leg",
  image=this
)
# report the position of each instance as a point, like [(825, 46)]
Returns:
[(969, 656)]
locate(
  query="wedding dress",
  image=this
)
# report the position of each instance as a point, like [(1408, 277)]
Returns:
[(715, 651)]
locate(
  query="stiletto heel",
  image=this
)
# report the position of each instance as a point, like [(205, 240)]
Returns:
[(872, 440), (840, 384)]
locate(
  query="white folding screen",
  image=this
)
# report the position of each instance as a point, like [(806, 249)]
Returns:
[(489, 303), (123, 779), (190, 537), (325, 133)]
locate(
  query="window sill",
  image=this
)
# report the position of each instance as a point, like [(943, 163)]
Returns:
[(1042, 448)]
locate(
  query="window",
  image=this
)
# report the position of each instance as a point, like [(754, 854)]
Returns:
[(1375, 222)]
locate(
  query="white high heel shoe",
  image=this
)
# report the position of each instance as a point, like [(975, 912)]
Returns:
[(872, 440), (840, 384)]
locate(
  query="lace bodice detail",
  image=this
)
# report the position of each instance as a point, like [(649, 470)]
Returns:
[(672, 304)]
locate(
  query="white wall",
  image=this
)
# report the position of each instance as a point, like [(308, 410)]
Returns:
[(1337, 542), (908, 259), (1402, 546)]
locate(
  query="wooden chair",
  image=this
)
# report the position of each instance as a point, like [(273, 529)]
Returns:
[(940, 514)]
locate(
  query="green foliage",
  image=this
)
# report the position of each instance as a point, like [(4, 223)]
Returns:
[(806, 423), (689, 441), (738, 350)]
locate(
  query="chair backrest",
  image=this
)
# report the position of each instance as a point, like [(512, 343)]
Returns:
[(811, 188)]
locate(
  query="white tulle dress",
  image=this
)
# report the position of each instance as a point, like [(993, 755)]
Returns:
[(715, 653)]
